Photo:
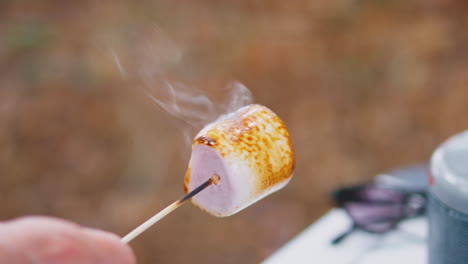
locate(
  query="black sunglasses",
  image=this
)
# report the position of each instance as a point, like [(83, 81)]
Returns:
[(377, 209)]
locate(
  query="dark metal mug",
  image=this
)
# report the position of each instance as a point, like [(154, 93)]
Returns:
[(447, 209)]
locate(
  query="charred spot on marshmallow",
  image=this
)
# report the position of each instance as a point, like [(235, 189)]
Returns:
[(205, 141)]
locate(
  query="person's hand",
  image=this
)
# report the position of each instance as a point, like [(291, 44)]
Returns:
[(46, 240)]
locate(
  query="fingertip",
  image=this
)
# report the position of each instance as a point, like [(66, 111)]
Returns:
[(52, 240), (108, 247)]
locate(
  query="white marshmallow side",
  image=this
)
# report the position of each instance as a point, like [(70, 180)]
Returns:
[(236, 189), (221, 199)]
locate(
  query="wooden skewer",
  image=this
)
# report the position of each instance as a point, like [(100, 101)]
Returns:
[(140, 229)]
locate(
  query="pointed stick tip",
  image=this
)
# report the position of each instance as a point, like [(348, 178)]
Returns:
[(215, 179)]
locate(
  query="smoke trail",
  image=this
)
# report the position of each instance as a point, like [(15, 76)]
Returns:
[(156, 52)]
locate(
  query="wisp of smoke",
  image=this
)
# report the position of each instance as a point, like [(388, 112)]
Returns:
[(238, 96), (194, 107), (188, 104)]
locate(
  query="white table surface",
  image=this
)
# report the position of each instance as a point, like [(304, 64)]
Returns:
[(407, 244)]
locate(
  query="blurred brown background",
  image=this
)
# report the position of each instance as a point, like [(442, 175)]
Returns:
[(364, 86)]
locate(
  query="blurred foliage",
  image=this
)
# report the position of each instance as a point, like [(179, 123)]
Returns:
[(30, 36), (364, 86)]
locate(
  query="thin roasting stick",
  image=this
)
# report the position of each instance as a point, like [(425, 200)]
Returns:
[(140, 229)]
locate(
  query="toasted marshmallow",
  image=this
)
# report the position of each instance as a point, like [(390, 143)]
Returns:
[(251, 151)]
